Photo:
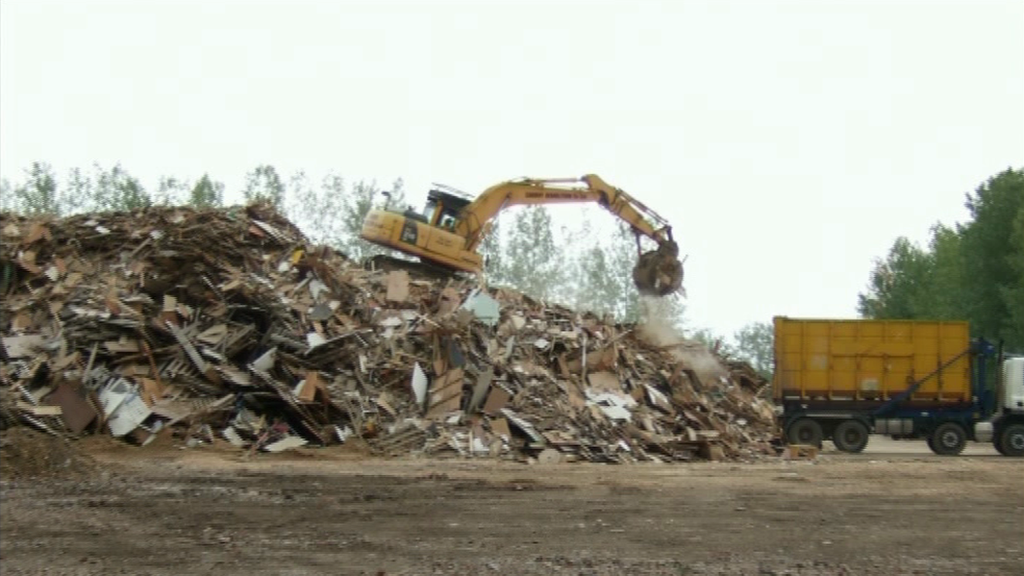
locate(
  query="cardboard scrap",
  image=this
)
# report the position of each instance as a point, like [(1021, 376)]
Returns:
[(23, 346), (398, 286), (448, 301), (286, 443), (311, 388), (604, 382), (39, 410), (483, 383), (500, 427), (75, 410), (445, 393), (497, 398)]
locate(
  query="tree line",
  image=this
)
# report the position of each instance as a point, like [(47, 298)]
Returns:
[(970, 271)]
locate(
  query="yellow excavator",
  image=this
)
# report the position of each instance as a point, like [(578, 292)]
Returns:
[(451, 228)]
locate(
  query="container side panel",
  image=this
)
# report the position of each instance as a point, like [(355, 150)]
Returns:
[(870, 359)]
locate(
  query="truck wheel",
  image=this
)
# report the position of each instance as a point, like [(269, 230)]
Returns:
[(1012, 441), (851, 436), (948, 439), (997, 443), (805, 431)]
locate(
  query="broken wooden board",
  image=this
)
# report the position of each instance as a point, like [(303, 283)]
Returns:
[(398, 286), (445, 394)]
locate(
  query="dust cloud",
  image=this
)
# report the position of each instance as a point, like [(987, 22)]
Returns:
[(656, 327)]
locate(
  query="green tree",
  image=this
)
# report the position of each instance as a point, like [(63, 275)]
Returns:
[(325, 212), (360, 199), (206, 193), (714, 342), (944, 300), (7, 203), (605, 281), (317, 211), (492, 250), (755, 343), (991, 252), (396, 196), (622, 258), (38, 194), (264, 184), (118, 190), (78, 194), (304, 206), (534, 263), (171, 191), (899, 285), (1013, 293), (598, 290), (972, 272)]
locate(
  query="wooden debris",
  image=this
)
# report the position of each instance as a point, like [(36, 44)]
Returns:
[(228, 326), (800, 452)]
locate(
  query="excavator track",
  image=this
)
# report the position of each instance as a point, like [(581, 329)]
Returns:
[(417, 270)]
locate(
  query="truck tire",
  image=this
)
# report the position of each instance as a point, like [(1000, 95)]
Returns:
[(997, 443), (1011, 441), (948, 439), (851, 436), (805, 431)]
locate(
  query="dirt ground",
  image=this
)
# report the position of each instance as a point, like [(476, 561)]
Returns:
[(104, 507)]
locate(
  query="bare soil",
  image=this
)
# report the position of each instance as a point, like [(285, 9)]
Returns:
[(111, 508)]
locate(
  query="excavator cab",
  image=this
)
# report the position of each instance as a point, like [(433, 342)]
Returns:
[(431, 235), (443, 206)]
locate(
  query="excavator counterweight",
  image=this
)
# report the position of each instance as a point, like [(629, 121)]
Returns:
[(451, 228)]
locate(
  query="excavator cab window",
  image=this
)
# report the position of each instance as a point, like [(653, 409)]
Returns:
[(431, 210), (443, 206), (437, 214), (414, 215)]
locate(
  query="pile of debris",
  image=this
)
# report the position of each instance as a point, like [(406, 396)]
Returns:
[(226, 325)]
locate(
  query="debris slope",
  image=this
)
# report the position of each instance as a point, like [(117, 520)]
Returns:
[(227, 325)]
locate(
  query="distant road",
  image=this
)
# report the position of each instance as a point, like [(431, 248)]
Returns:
[(880, 446)]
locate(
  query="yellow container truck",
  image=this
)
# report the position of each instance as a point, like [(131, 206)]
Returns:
[(842, 380)]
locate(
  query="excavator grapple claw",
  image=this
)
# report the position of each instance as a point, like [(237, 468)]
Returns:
[(659, 272)]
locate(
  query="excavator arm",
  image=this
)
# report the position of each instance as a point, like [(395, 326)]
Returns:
[(473, 220), (657, 272)]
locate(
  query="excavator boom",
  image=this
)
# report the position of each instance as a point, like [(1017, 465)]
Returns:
[(454, 227), (475, 216)]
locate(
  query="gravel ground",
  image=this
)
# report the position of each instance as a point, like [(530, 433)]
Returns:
[(102, 507)]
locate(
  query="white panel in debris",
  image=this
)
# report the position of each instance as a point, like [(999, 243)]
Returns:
[(124, 407), (419, 384)]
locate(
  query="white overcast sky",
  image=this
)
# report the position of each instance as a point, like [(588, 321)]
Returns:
[(789, 143)]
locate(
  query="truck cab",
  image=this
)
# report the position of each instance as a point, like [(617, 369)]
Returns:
[(1008, 420)]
